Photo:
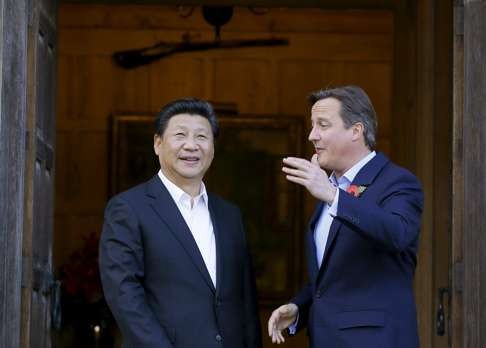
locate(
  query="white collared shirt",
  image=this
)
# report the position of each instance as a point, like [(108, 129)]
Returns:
[(195, 212), (323, 225)]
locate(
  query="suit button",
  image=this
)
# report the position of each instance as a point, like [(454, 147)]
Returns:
[(219, 338), (318, 294)]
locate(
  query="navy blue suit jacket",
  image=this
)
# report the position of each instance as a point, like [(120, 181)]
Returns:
[(156, 282), (362, 295)]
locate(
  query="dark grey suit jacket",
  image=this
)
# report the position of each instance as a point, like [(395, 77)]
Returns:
[(155, 280)]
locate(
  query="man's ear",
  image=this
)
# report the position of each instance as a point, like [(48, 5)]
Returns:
[(358, 131), (157, 141)]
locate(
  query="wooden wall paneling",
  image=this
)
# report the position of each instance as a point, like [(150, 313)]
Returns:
[(66, 179), (404, 107), (84, 187), (88, 152), (65, 87), (207, 75), (424, 145), (73, 186), (338, 47), (62, 238), (442, 178), (278, 19), (318, 74), (246, 82), (95, 86), (384, 145), (376, 78), (175, 77), (104, 41), (131, 88), (85, 101)]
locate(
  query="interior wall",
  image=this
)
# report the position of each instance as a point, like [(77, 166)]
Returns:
[(327, 48)]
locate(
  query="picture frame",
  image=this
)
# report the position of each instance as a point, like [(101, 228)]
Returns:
[(246, 170)]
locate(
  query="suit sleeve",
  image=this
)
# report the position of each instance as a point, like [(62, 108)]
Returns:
[(303, 300), (393, 223), (253, 336), (122, 272)]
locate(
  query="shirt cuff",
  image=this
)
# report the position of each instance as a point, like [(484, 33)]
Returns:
[(332, 210), (293, 327)]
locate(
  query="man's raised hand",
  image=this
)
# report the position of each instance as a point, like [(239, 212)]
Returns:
[(310, 175)]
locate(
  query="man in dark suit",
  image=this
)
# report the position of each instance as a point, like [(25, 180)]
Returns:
[(362, 240), (173, 258)]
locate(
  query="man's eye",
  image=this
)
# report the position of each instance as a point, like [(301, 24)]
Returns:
[(201, 136), (179, 134)]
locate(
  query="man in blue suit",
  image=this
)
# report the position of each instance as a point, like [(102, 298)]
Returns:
[(363, 237), (173, 257)]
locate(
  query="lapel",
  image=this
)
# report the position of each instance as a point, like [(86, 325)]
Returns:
[(165, 207), (333, 231), (311, 244), (370, 171), (217, 221), (365, 177)]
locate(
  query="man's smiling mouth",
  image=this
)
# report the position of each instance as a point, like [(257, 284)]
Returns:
[(189, 159)]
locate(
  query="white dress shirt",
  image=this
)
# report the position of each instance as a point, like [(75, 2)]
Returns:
[(321, 232), (195, 212)]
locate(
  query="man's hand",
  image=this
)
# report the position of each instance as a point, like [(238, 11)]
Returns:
[(311, 176), (281, 318)]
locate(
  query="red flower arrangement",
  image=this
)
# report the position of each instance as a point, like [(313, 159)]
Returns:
[(84, 308), (356, 190)]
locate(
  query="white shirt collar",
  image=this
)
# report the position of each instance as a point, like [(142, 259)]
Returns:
[(351, 173), (179, 195)]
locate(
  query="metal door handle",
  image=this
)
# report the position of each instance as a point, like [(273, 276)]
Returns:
[(440, 318)]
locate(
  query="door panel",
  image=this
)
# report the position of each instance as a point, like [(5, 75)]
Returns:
[(37, 251)]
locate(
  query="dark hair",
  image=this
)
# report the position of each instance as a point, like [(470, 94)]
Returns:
[(355, 107), (191, 106)]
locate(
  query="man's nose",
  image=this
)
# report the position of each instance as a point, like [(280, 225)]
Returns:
[(190, 144), (313, 134)]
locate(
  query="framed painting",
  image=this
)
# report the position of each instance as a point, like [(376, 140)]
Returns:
[(246, 170)]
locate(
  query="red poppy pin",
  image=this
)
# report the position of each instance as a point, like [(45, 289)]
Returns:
[(356, 190)]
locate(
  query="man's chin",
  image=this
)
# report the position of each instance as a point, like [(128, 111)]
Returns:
[(191, 173), (322, 161)]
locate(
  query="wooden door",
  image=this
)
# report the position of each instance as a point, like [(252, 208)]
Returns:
[(39, 288), (13, 21)]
